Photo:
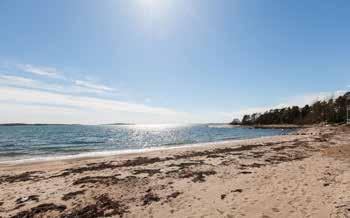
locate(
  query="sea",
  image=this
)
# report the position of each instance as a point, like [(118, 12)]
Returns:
[(19, 143)]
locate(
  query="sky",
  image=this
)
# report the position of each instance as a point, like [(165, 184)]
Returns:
[(168, 61)]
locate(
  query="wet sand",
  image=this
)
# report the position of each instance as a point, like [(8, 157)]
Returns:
[(305, 174)]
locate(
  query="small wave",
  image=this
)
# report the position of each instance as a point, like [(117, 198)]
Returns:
[(85, 142), (12, 154), (103, 153), (180, 143), (9, 145)]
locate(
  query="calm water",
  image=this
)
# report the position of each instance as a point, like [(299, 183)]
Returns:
[(48, 141)]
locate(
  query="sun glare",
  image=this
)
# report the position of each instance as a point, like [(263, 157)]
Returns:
[(151, 4)]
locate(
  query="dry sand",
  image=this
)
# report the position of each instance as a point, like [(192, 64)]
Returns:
[(305, 174)]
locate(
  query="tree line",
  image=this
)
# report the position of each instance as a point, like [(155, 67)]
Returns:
[(330, 111)]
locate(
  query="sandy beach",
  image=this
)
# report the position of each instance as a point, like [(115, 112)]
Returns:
[(304, 174)]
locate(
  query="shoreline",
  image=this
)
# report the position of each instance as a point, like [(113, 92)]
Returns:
[(304, 174), (122, 154), (116, 153), (273, 126)]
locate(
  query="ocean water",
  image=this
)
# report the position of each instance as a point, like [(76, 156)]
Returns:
[(35, 142)]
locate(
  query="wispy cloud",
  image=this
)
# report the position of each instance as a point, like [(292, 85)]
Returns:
[(40, 70), (58, 80), (95, 86), (66, 88), (10, 80)]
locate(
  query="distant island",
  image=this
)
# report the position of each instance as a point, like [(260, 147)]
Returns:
[(119, 124), (13, 124), (32, 124), (50, 124)]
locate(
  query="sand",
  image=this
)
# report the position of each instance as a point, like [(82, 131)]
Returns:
[(304, 174)]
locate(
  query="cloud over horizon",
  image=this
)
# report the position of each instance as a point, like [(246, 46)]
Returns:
[(59, 99), (33, 100), (95, 110)]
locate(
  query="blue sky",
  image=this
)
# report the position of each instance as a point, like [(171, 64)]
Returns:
[(161, 61)]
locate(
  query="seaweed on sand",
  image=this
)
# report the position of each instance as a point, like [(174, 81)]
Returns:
[(185, 165), (197, 176), (103, 207), (150, 172), (26, 176), (39, 210), (140, 161), (107, 180), (72, 195), (149, 198)]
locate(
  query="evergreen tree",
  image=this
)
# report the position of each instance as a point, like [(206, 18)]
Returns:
[(330, 111)]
